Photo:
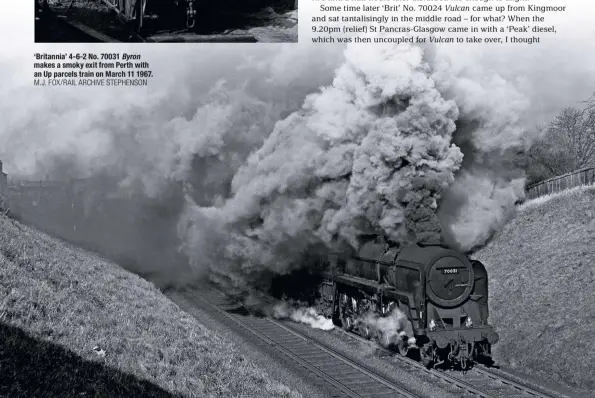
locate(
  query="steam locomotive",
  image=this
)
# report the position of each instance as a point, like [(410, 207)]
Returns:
[(440, 295)]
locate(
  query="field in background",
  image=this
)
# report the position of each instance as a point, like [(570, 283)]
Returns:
[(542, 270), (58, 302)]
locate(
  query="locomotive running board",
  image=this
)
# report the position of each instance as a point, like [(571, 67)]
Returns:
[(354, 281)]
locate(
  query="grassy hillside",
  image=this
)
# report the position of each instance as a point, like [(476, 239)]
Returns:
[(58, 302), (542, 288)]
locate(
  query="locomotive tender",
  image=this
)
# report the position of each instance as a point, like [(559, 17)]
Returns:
[(442, 293)]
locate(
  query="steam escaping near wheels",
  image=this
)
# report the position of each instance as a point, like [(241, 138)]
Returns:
[(308, 316), (390, 329)]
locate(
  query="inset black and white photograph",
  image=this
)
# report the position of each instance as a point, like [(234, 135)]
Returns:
[(161, 21)]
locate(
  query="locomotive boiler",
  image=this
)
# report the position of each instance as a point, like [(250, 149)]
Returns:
[(439, 294)]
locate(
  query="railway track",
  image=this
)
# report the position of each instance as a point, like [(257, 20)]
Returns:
[(480, 381), (343, 377), (348, 378)]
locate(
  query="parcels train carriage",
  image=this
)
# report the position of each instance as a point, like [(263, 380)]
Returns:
[(443, 294)]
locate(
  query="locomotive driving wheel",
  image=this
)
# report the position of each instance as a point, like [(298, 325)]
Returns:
[(344, 312), (347, 323), (383, 338), (366, 332), (403, 347), (427, 355), (346, 320)]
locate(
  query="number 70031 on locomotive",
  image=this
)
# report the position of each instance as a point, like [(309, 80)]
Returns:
[(439, 295)]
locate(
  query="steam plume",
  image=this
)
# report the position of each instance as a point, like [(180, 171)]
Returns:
[(392, 327), (250, 165), (373, 153), (308, 316)]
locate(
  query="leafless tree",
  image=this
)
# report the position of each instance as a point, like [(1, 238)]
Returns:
[(573, 134), (566, 144)]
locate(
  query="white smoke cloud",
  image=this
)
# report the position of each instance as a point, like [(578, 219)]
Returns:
[(368, 153), (490, 132), (152, 134), (282, 148), (390, 328), (485, 204), (305, 315), (373, 152)]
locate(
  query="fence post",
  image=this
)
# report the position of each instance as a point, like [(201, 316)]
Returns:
[(562, 182)]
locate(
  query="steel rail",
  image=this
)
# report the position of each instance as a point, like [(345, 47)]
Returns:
[(349, 377)]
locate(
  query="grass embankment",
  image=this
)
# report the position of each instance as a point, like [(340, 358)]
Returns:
[(542, 288), (58, 302)]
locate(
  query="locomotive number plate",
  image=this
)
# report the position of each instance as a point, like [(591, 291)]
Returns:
[(450, 271)]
